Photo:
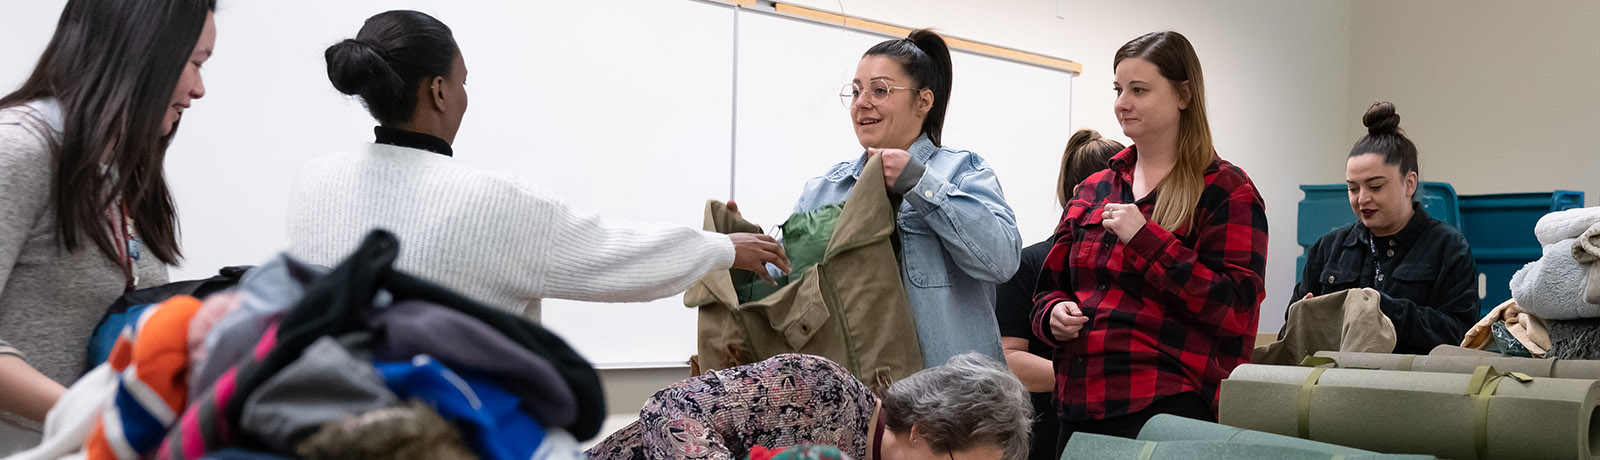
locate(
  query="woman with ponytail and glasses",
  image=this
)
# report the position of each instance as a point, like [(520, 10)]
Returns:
[(958, 235), (1152, 291), (85, 213)]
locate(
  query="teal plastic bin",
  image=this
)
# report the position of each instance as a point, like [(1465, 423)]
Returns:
[(1499, 227), (1327, 207)]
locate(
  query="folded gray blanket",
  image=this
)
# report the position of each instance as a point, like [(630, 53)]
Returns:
[(1560, 225), (1552, 287)]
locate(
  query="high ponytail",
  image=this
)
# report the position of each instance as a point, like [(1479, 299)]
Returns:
[(1087, 153), (925, 57)]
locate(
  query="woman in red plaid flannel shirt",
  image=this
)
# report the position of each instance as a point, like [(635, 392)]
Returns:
[(1152, 289)]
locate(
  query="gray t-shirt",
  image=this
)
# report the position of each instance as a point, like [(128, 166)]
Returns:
[(50, 299)]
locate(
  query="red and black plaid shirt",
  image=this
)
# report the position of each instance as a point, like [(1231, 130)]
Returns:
[(1168, 313)]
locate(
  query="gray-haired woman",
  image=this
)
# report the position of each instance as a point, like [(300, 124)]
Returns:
[(969, 408)]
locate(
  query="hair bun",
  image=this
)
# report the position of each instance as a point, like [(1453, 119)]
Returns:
[(357, 68), (1381, 119)]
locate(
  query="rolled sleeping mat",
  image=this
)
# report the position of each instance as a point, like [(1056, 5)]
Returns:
[(1167, 428), (1536, 367), (1484, 415), (1090, 446), (1452, 350)]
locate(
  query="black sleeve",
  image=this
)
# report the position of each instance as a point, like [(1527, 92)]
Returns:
[(1418, 328), (1013, 305), (1315, 259)]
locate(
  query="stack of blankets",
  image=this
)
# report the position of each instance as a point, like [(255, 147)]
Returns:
[(1563, 286)]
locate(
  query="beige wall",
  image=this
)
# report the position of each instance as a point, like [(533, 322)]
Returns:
[(1499, 96), (1276, 82)]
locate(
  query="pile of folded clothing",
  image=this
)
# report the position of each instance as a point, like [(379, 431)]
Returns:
[(358, 361), (1563, 286)]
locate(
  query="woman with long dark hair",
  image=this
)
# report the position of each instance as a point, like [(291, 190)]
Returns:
[(958, 236), (85, 213), (492, 236), (1151, 292)]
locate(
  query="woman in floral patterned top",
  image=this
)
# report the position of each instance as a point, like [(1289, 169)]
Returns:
[(969, 408)]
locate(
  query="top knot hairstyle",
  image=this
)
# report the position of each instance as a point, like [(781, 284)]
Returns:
[(1384, 137), (393, 54), (924, 56)]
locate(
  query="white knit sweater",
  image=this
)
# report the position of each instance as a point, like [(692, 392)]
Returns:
[(491, 236)]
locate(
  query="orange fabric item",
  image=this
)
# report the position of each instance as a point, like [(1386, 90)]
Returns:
[(152, 358)]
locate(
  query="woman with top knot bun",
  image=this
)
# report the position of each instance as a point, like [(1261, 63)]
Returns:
[(1422, 267)]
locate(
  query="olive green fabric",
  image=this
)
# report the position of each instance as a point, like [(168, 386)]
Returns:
[(1349, 320), (805, 240), (806, 235), (850, 307), (1537, 367), (1485, 415)]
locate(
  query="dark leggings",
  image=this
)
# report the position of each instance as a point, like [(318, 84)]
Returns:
[(1186, 404)]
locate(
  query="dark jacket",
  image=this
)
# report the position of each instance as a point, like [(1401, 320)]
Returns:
[(1425, 273)]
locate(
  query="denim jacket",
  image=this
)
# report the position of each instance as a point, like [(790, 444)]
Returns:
[(1425, 272), (958, 237)]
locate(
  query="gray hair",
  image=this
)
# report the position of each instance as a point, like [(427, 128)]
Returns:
[(969, 401)]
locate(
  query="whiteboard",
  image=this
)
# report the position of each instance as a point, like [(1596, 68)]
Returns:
[(621, 110), (1018, 117), (627, 110)]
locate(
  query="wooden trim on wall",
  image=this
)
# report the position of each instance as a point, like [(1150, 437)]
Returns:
[(890, 30)]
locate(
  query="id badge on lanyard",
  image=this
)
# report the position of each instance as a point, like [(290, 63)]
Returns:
[(126, 244), (1377, 275)]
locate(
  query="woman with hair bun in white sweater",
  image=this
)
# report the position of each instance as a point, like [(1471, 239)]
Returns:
[(491, 236)]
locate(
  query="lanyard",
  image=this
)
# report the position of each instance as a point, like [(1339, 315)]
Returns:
[(125, 245), (1372, 246)]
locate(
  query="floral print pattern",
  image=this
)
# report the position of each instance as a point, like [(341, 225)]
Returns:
[(784, 401)]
